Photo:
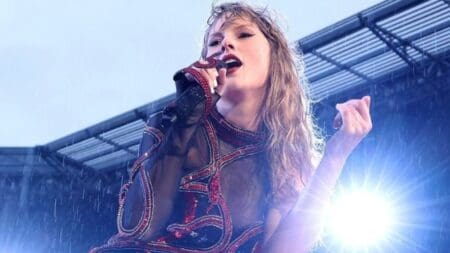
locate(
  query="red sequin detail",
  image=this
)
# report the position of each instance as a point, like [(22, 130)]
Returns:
[(205, 86), (190, 186), (214, 191)]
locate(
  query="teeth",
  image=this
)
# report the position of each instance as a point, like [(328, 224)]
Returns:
[(229, 61)]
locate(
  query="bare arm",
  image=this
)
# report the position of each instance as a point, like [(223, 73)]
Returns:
[(300, 229)]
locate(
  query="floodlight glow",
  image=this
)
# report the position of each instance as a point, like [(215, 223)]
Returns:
[(360, 219)]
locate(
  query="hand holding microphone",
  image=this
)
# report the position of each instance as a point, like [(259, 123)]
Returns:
[(198, 89), (213, 70)]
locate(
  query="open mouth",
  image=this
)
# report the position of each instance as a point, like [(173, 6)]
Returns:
[(233, 63)]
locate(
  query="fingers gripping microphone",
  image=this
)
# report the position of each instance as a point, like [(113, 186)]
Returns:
[(220, 65), (192, 89)]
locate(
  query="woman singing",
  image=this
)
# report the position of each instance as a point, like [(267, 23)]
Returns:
[(235, 163)]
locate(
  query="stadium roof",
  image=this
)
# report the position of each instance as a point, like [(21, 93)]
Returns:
[(371, 45), (361, 52)]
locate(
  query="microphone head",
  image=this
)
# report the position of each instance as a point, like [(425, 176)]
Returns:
[(220, 64)]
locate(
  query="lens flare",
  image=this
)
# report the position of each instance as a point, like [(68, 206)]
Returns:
[(360, 219)]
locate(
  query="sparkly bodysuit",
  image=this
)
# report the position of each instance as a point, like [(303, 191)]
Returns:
[(219, 199)]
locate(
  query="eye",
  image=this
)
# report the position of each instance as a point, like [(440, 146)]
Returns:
[(213, 43), (245, 35)]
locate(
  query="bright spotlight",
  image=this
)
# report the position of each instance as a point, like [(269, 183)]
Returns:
[(360, 219)]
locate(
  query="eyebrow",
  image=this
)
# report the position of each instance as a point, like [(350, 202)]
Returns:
[(235, 28)]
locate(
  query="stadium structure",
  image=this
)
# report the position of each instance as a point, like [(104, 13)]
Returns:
[(396, 51)]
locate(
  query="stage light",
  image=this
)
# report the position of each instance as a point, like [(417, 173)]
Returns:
[(360, 219)]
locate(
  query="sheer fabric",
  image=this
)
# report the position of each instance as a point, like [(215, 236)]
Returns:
[(197, 188)]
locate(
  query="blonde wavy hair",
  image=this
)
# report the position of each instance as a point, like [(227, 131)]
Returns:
[(294, 143)]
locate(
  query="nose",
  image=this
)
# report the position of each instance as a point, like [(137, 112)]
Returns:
[(227, 44)]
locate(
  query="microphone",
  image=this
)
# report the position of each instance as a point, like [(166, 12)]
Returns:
[(220, 65), (189, 93), (212, 63)]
